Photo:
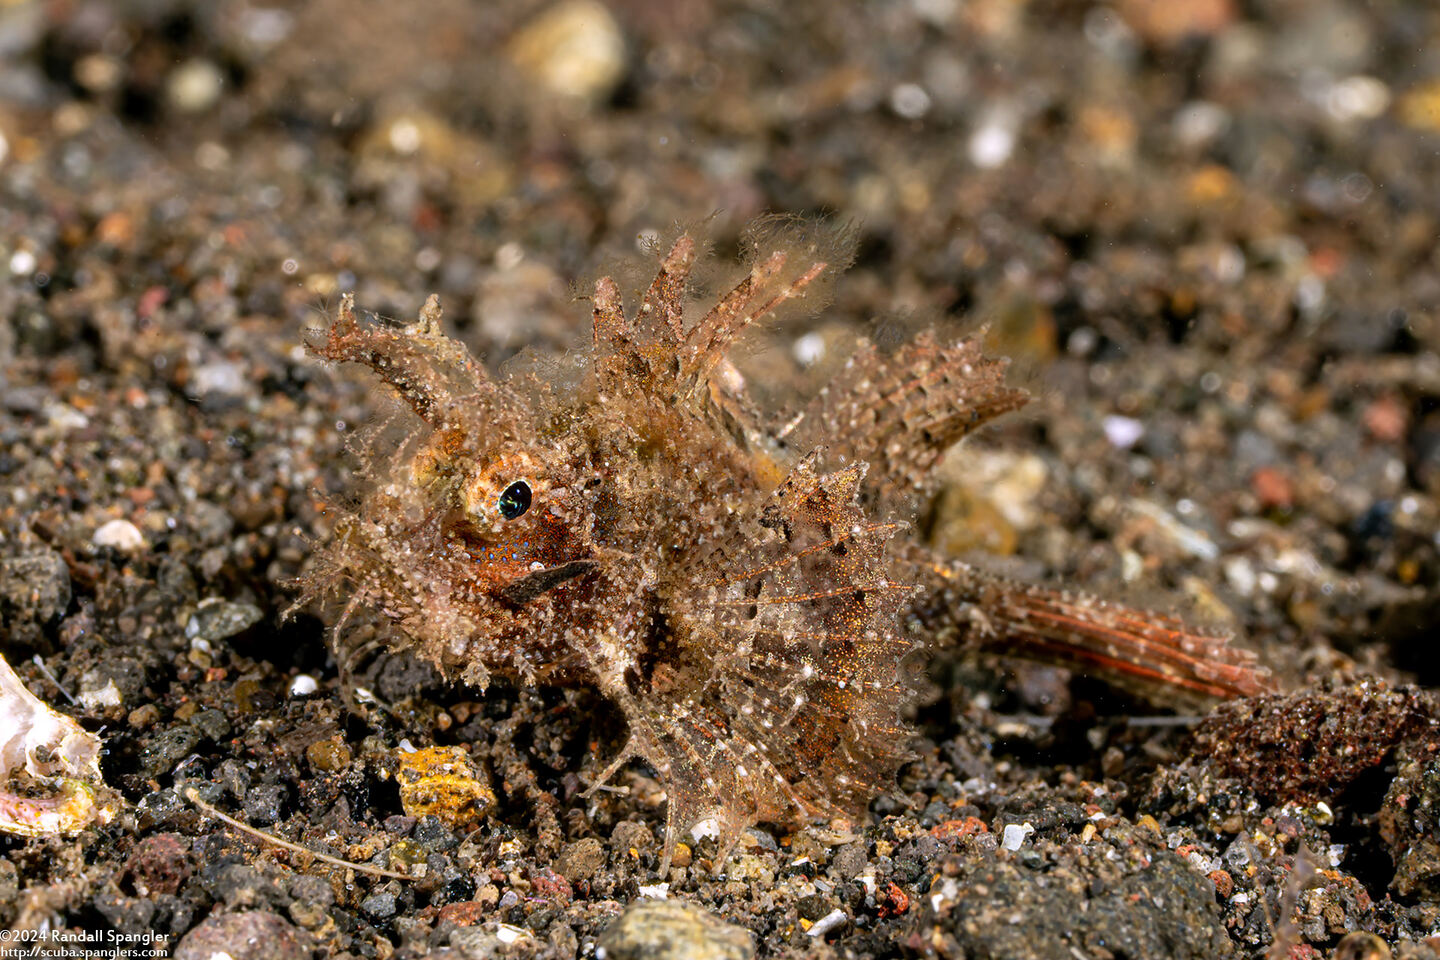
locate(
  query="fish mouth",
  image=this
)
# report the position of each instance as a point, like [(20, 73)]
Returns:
[(539, 582)]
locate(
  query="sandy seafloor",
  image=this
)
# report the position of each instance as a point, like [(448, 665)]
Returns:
[(1206, 229)]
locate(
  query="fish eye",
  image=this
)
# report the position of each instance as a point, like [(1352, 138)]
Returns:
[(515, 500)]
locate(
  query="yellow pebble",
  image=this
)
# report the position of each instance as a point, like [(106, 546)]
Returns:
[(443, 782)]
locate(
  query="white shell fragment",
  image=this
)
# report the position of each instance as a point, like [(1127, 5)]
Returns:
[(1015, 834), (506, 933), (827, 923), (120, 534), (303, 685), (49, 750)]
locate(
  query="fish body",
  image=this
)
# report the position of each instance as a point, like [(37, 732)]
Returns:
[(743, 593)]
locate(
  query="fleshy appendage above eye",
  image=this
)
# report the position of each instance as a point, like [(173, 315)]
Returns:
[(515, 500)]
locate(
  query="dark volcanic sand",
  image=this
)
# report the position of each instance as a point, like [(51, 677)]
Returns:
[(1207, 230)]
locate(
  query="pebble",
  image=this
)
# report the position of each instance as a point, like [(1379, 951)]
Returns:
[(445, 783), (96, 695), (1123, 432), (329, 755), (303, 685), (217, 619), (574, 49), (631, 834), (313, 898), (1185, 538), (672, 930), (1272, 487), (432, 834), (121, 535), (1358, 97), (168, 748), (211, 523), (581, 859), (1386, 419), (1167, 22), (222, 377), (966, 520), (1420, 107), (1360, 945), (158, 865), (35, 586), (380, 906), (910, 101), (194, 86), (508, 934), (832, 920), (22, 263), (247, 935), (1240, 575), (849, 860), (263, 803), (112, 682), (992, 144), (143, 716), (1014, 835)]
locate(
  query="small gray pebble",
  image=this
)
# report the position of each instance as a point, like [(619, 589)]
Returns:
[(217, 619), (849, 860), (168, 748), (211, 724), (379, 906), (433, 836), (263, 803)]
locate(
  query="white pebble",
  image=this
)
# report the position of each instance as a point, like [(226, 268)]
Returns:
[(62, 416), (221, 377), (303, 685), (120, 534), (826, 923), (1202, 863), (910, 101), (808, 349), (991, 145), (1198, 122), (1240, 574), (1357, 98), (655, 891), (505, 933), (575, 49), (405, 136), (1015, 834), (264, 28), (937, 12), (1123, 432), (22, 263), (195, 86), (106, 696)]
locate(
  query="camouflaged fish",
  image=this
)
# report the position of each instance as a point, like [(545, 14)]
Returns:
[(741, 586)]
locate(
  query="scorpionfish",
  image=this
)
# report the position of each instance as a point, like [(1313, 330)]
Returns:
[(740, 585)]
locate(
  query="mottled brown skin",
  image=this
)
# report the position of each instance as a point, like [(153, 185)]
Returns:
[(738, 591)]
